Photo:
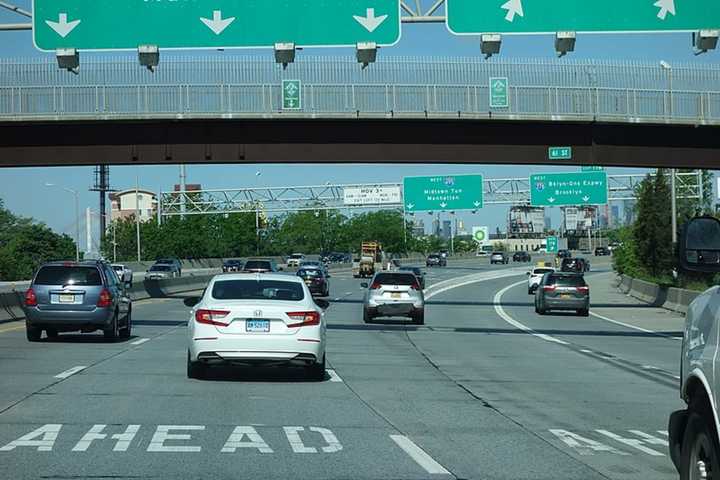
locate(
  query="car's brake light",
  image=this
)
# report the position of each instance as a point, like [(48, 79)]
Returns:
[(105, 299), (415, 286), (303, 319), (375, 286), (211, 317), (583, 289), (30, 298), (549, 288)]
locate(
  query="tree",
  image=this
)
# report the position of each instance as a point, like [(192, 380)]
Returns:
[(651, 231)]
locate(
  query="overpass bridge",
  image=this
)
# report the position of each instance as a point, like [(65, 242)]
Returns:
[(228, 108), (496, 191)]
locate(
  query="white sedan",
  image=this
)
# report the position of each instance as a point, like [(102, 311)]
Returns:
[(535, 276), (257, 319)]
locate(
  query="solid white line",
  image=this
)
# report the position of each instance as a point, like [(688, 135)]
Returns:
[(419, 455), (140, 342), (469, 282), (500, 311), (602, 317), (70, 371), (334, 377)]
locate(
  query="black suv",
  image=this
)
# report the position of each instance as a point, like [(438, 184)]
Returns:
[(522, 256), (77, 296), (435, 260)]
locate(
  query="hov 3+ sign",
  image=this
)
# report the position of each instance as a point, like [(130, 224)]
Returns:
[(576, 188), (472, 17), (443, 192), (127, 24)]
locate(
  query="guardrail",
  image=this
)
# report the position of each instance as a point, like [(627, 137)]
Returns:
[(670, 298)]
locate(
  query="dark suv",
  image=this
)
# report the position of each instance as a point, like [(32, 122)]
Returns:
[(260, 265), (435, 260), (72, 296)]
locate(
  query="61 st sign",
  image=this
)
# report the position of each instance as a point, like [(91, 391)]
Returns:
[(127, 24)]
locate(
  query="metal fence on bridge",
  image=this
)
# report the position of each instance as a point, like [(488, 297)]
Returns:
[(242, 85)]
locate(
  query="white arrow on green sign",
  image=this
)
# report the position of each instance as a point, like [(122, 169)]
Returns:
[(443, 192), (126, 24), (291, 95), (472, 17), (576, 188), (499, 97), (551, 244)]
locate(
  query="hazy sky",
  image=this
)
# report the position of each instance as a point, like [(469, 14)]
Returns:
[(23, 189)]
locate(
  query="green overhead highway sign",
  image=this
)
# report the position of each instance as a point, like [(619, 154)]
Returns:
[(499, 97), (551, 244), (472, 17), (592, 168), (291, 95), (127, 24), (560, 153), (576, 188), (446, 192)]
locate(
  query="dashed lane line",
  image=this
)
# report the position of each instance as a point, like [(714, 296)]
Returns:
[(633, 327), (334, 377), (419, 455), (70, 371), (140, 342)]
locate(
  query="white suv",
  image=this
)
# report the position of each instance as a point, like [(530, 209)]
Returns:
[(295, 260), (693, 432), (535, 277)]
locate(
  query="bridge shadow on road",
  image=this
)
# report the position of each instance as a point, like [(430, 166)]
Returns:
[(266, 374)]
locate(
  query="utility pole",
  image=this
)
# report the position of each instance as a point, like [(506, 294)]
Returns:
[(183, 178), (102, 185), (673, 207), (137, 216), (88, 230)]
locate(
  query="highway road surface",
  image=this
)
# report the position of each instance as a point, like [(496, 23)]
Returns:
[(487, 389)]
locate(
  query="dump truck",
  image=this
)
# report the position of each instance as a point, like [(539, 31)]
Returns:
[(370, 260)]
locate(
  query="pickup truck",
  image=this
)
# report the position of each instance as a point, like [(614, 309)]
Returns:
[(693, 431)]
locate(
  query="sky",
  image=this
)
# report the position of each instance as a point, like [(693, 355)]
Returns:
[(23, 190)]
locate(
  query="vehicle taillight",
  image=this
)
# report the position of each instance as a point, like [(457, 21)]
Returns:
[(303, 319), (549, 288), (105, 299), (30, 298), (211, 317), (415, 286), (583, 289), (375, 286)]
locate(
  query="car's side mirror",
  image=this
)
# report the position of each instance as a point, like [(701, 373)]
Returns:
[(364, 285), (700, 245), (324, 304), (191, 301)]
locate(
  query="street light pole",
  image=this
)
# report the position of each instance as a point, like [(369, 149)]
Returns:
[(673, 207), (137, 216), (77, 218)]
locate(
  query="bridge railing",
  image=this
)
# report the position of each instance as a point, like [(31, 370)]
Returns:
[(465, 101)]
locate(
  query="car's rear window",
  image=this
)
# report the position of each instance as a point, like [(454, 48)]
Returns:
[(410, 269), (257, 290), (543, 271), (395, 279), (257, 264), (160, 268), (566, 280), (68, 275)]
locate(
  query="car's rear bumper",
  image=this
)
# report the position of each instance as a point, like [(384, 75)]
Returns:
[(567, 304), (396, 309), (296, 349), (99, 317)]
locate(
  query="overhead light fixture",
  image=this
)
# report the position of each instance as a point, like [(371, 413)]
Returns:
[(68, 59), (285, 53), (149, 56), (366, 53), (490, 44), (705, 40), (564, 43)]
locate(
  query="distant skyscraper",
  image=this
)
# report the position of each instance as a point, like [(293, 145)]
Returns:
[(548, 223), (418, 229), (436, 227), (628, 212), (446, 229), (615, 215)]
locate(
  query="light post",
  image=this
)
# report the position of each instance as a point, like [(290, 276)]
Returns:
[(668, 68), (77, 218)]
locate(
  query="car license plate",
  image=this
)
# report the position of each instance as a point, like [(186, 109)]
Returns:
[(395, 295), (565, 295), (308, 282), (257, 325), (66, 298)]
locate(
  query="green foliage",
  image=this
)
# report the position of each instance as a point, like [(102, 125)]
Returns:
[(25, 245), (651, 231)]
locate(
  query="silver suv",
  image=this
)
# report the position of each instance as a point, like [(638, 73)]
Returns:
[(394, 294), (71, 296)]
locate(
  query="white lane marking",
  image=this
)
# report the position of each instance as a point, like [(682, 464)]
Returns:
[(651, 439), (235, 440), (96, 433), (501, 312), (47, 434), (333, 444), (603, 317), (585, 350), (419, 455), (632, 442), (348, 293), (162, 434), (474, 279), (70, 371), (334, 377), (140, 342), (583, 445)]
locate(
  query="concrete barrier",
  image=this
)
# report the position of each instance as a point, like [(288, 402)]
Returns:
[(674, 299), (648, 292), (679, 299), (11, 306)]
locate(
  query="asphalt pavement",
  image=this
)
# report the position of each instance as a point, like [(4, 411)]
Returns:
[(487, 389)]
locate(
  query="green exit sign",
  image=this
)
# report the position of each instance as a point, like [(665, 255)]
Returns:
[(560, 153), (291, 95)]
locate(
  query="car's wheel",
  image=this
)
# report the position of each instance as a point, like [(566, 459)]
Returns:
[(419, 318), (51, 333), (530, 291), (699, 458), (33, 333), (127, 331), (584, 312), (367, 317), (540, 311), (316, 371), (195, 369), (112, 331)]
